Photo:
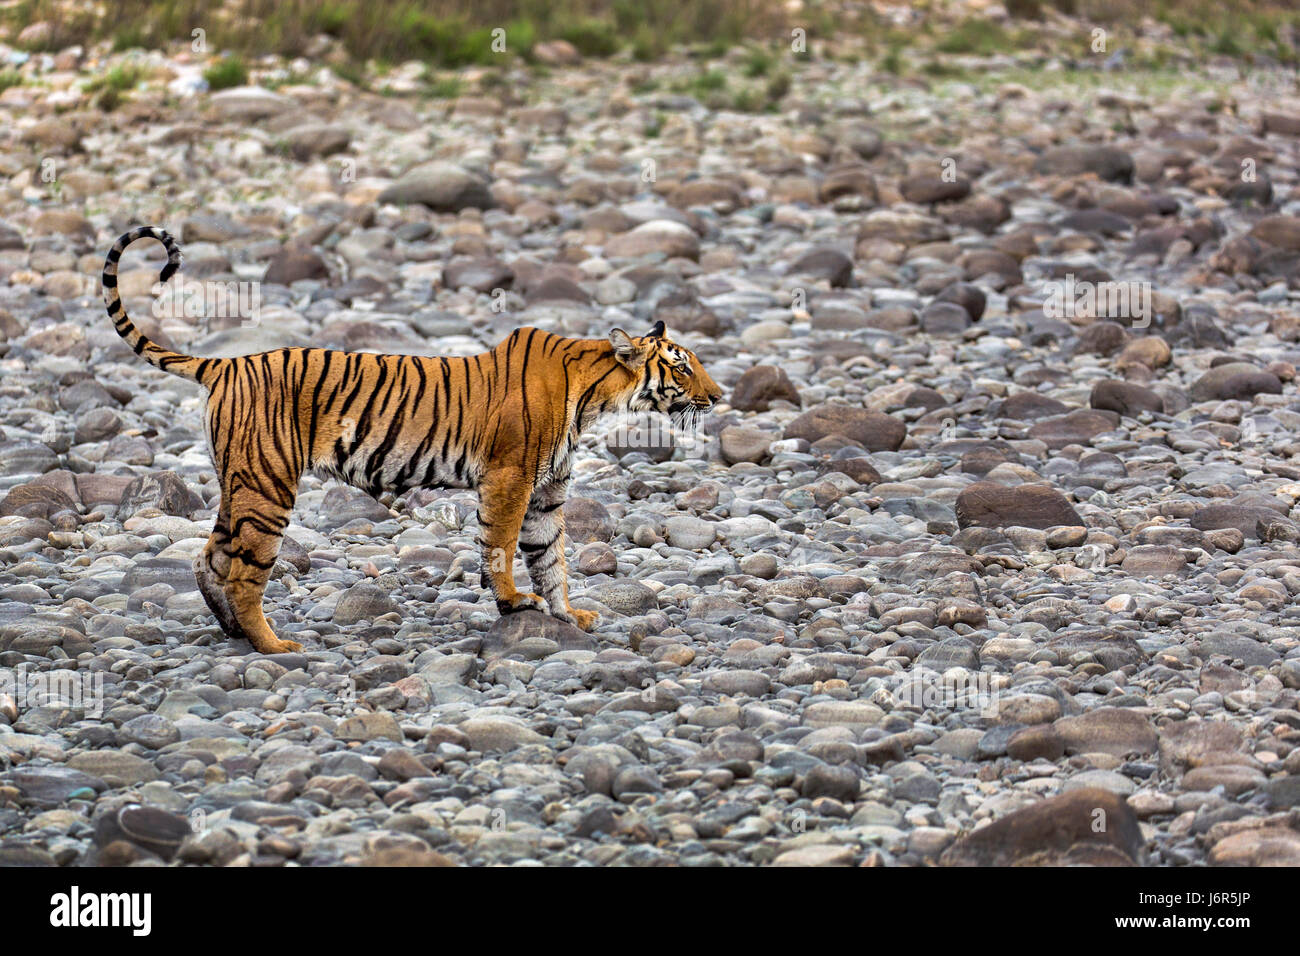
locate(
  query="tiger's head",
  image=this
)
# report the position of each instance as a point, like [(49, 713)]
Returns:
[(668, 377)]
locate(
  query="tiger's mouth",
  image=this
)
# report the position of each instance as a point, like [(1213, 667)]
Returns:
[(686, 415)]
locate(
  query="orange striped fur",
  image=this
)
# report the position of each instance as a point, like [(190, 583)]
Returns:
[(505, 422)]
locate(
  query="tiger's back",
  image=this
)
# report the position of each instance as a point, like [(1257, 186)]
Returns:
[(395, 422)]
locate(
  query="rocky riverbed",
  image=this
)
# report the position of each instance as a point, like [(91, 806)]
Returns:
[(963, 563)]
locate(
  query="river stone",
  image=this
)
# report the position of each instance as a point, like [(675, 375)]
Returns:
[(873, 431), (1086, 826), (990, 505)]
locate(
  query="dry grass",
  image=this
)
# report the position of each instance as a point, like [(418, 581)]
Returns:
[(455, 33), (445, 32)]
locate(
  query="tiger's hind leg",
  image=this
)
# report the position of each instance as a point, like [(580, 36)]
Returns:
[(503, 500), (211, 568), (541, 539), (256, 529)]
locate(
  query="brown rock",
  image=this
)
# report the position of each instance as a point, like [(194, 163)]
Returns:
[(293, 263), (671, 239), (1245, 518), (1280, 231), (982, 213), (164, 490), (1040, 742), (1232, 777), (440, 185), (744, 443), (981, 262), (719, 194), (873, 431), (859, 469), (480, 273), (1029, 406), (1076, 428), (1155, 560), (1234, 380), (1273, 121), (1150, 350), (556, 53), (989, 505), (924, 190), (852, 179), (1266, 846), (1103, 338), (1125, 398), (1088, 826), (906, 228), (1112, 730), (586, 519), (63, 223), (825, 263), (761, 385), (36, 500), (1106, 162), (1193, 743)]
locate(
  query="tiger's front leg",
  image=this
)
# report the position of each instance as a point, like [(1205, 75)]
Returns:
[(541, 539), (503, 500)]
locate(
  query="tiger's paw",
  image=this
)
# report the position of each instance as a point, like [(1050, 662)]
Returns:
[(277, 646), (521, 602), (576, 616)]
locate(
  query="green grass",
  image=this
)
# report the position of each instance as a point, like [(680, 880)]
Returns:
[(109, 88), (1227, 44), (447, 33), (354, 73), (981, 37), (521, 36), (748, 100), (10, 78), (708, 81), (120, 79), (648, 45), (130, 38), (944, 71), (451, 34), (226, 73), (1081, 83), (446, 87), (892, 61), (778, 87), (449, 43), (592, 37)]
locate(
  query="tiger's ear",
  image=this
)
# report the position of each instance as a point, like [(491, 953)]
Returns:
[(657, 332), (626, 350)]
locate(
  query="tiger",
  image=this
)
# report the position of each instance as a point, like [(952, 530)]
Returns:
[(505, 423)]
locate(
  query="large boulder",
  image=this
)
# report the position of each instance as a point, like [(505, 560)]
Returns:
[(442, 186), (1088, 826), (874, 431), (987, 504)]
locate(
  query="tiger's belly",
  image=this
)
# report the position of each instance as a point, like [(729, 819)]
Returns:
[(384, 457)]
